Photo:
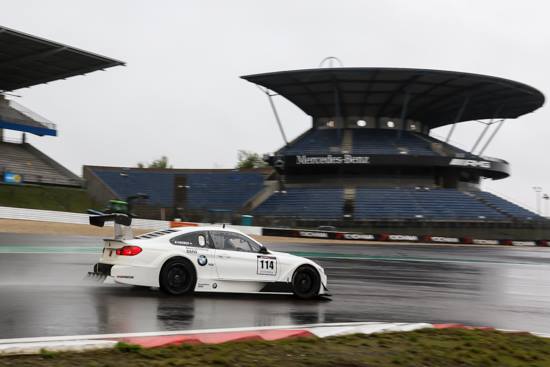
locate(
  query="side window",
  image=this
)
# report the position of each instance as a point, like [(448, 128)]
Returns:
[(194, 239), (233, 242)]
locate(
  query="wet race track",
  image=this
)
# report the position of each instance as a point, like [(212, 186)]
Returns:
[(42, 291)]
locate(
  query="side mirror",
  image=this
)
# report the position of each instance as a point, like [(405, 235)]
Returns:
[(263, 250)]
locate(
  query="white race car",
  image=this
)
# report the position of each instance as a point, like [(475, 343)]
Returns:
[(208, 259)]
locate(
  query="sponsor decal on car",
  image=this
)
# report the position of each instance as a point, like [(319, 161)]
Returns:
[(182, 243), (267, 265), (202, 260)]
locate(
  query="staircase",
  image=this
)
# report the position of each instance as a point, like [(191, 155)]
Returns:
[(490, 205), (349, 202), (347, 141)]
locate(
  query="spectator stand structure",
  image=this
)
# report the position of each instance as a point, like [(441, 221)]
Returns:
[(368, 161), (25, 61)]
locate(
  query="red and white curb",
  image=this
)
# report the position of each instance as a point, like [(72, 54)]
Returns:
[(205, 336)]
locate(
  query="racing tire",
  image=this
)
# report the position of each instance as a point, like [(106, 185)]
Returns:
[(306, 282), (178, 277)]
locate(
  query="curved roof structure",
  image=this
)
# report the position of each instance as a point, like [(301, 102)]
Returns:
[(26, 60), (434, 97)]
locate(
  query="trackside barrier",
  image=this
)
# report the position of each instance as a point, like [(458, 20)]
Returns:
[(70, 218), (78, 218), (386, 237)]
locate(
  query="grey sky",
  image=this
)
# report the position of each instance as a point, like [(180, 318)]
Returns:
[(180, 94)]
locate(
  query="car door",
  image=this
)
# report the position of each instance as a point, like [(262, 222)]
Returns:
[(197, 247), (238, 258)]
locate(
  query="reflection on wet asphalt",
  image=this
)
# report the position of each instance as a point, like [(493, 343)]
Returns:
[(45, 294)]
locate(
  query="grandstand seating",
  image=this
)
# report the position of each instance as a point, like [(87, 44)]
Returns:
[(507, 207), (367, 141), (222, 190), (219, 190), (316, 141), (378, 141), (393, 204), (34, 166), (158, 185), (304, 203), (435, 204)]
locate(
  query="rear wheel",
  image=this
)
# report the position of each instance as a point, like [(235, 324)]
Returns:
[(178, 277), (306, 282)]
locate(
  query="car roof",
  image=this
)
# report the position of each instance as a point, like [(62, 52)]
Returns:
[(180, 230)]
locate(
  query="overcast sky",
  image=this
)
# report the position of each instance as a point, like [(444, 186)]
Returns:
[(180, 94)]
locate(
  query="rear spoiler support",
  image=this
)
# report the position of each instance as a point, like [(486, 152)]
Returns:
[(122, 223)]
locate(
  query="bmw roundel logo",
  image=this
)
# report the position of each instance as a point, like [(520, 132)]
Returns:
[(202, 260)]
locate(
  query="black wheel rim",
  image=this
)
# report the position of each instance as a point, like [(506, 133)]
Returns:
[(177, 279), (303, 282)]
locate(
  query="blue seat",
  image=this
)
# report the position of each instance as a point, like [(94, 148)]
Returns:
[(435, 204), (304, 203)]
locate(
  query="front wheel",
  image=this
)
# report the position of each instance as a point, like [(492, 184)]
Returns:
[(306, 282), (178, 277)]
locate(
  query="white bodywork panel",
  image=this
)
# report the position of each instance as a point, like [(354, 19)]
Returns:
[(218, 269)]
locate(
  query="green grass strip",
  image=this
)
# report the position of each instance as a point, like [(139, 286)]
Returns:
[(428, 347)]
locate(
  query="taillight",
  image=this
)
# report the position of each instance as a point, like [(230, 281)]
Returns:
[(128, 251)]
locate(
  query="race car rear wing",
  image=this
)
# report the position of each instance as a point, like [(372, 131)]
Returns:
[(119, 212), (122, 223)]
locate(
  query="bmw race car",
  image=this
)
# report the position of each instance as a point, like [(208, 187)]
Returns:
[(208, 259)]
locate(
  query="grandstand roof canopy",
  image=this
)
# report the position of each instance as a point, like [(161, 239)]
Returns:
[(26, 60), (435, 97)]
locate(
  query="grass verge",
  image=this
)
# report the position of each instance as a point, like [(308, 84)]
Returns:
[(429, 347), (45, 197)]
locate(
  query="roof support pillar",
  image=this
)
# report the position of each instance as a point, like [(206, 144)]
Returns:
[(492, 136), (275, 113), (457, 118), (481, 136), (487, 126)]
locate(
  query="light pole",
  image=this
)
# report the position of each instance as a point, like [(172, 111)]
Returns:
[(545, 197), (538, 190)]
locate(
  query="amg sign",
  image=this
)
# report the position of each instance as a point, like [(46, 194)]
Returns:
[(470, 163), (331, 159)]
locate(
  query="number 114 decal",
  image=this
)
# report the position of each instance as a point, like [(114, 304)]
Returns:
[(267, 265)]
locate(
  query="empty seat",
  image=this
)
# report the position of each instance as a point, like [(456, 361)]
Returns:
[(213, 190), (315, 141), (228, 191), (304, 203), (436, 204), (508, 207)]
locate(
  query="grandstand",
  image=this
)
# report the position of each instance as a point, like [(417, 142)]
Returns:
[(193, 194), (368, 160), (370, 153), (25, 61)]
